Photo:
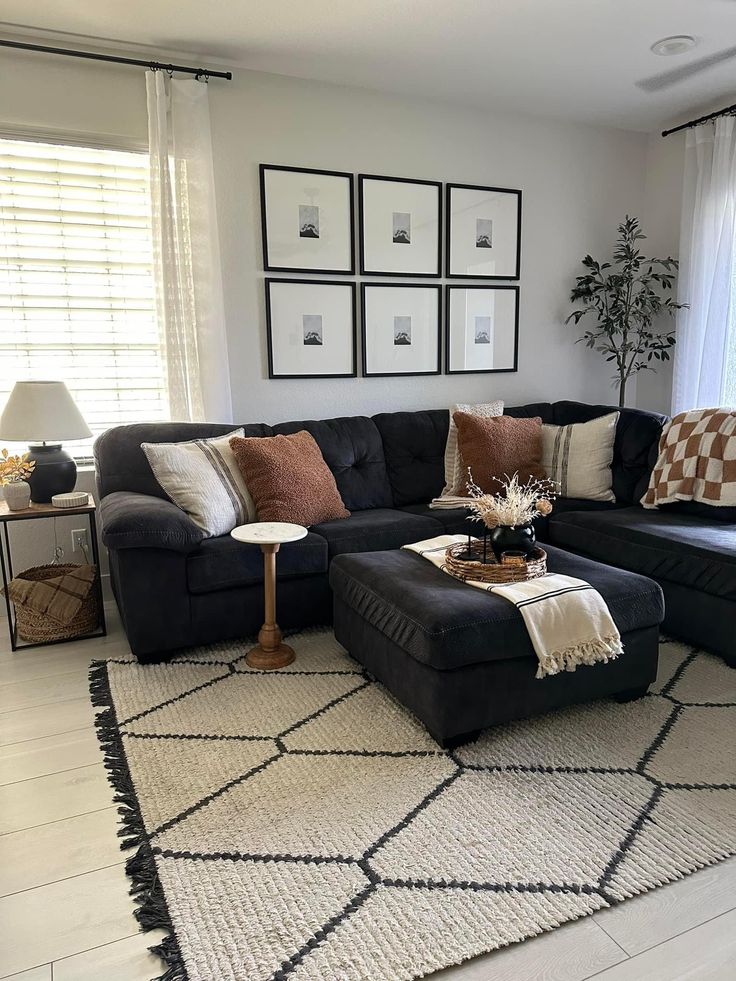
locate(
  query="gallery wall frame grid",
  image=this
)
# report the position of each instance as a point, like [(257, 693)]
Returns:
[(424, 236), (312, 331), (433, 292), (287, 224), (507, 214), (511, 325)]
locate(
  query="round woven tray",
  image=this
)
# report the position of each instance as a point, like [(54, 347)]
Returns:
[(36, 628), (517, 570)]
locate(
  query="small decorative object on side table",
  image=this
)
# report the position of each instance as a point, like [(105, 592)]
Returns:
[(270, 653)]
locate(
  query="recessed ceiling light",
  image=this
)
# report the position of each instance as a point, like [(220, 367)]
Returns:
[(675, 45)]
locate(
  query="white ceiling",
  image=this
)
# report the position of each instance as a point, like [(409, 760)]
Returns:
[(574, 59)]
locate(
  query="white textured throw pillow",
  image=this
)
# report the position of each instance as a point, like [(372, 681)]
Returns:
[(203, 479), (579, 457), (455, 475)]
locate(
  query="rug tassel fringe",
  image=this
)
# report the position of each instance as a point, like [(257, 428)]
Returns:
[(152, 912)]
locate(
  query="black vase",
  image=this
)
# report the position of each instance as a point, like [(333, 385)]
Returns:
[(507, 539)]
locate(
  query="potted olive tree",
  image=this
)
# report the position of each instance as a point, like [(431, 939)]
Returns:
[(626, 296)]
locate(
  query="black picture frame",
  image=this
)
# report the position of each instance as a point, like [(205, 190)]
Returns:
[(271, 280), (448, 231), (362, 178), (364, 287), (267, 264), (480, 371)]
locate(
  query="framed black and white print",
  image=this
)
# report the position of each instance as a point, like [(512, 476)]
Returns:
[(311, 328), (483, 232), (401, 327), (482, 329), (307, 220), (400, 226)]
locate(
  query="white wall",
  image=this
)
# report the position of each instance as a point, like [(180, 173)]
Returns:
[(578, 182)]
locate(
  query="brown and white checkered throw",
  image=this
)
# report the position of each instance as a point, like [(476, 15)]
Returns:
[(59, 598), (697, 460)]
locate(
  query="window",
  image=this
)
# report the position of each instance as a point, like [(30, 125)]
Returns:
[(76, 280)]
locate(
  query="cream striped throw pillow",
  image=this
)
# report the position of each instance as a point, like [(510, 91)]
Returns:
[(203, 479), (579, 456)]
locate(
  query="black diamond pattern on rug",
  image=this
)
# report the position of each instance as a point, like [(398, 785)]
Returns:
[(303, 824)]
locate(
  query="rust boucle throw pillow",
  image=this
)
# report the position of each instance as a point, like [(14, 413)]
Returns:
[(499, 445), (288, 478)]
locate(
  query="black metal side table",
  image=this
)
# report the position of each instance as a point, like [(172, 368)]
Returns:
[(32, 513)]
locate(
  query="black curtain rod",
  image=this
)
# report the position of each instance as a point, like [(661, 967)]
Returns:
[(198, 72), (701, 119)]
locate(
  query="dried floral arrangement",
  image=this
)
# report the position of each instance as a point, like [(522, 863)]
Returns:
[(14, 468), (515, 505)]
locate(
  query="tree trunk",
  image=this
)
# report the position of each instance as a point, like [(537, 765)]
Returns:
[(622, 392)]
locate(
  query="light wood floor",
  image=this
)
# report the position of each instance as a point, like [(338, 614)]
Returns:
[(65, 913)]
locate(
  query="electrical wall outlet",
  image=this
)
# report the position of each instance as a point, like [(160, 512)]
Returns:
[(79, 540)]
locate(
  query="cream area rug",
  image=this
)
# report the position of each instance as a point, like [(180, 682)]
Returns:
[(302, 824)]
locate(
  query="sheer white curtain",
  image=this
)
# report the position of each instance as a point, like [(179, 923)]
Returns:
[(707, 268), (186, 249)]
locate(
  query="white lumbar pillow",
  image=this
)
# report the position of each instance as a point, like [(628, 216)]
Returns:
[(455, 474), (202, 477), (578, 457)]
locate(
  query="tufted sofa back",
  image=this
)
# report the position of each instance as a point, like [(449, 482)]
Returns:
[(414, 445), (392, 459), (351, 447)]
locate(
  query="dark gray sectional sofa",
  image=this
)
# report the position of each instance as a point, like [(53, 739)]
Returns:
[(176, 589)]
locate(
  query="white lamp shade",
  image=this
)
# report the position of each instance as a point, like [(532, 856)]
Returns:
[(42, 412)]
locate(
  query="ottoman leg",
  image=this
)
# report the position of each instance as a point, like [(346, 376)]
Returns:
[(453, 742), (631, 694)]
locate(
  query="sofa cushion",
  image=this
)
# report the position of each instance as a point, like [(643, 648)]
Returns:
[(456, 474), (121, 464), (634, 449), (288, 478), (564, 504), (352, 449), (414, 444), (667, 546), (202, 477), (498, 447), (699, 510), (375, 530), (131, 520), (578, 457), (224, 563), (454, 521)]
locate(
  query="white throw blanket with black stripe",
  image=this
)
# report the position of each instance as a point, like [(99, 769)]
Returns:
[(568, 620)]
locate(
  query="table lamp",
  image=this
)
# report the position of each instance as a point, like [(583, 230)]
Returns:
[(42, 414)]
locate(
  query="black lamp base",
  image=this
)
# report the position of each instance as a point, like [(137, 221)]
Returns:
[(55, 472)]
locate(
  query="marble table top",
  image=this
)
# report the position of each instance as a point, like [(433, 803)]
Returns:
[(268, 533)]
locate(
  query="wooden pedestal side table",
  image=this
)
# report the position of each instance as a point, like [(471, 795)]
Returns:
[(270, 653)]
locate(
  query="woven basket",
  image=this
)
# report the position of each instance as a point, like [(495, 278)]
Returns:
[(517, 570), (36, 628)]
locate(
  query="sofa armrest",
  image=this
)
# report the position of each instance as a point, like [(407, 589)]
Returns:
[(132, 520)]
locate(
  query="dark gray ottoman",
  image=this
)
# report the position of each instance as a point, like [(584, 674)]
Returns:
[(460, 659)]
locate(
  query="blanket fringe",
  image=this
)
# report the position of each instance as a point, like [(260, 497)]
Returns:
[(599, 651), (152, 912)]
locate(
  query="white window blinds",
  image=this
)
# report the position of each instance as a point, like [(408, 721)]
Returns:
[(76, 284)]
